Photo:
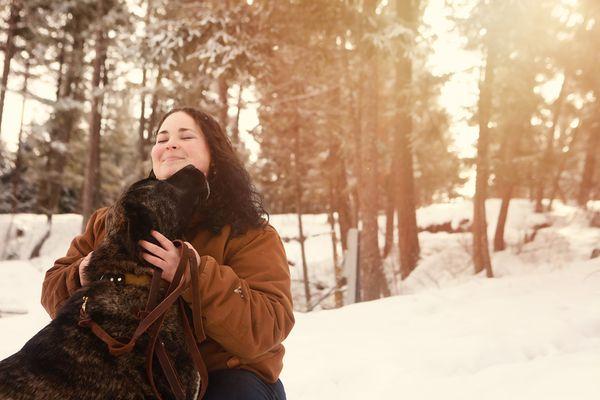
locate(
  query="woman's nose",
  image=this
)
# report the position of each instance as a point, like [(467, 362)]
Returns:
[(171, 145)]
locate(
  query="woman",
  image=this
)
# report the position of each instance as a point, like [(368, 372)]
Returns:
[(244, 283)]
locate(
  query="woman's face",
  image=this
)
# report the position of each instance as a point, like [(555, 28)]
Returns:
[(179, 142)]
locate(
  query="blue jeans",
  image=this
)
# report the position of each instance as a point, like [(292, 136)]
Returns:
[(239, 384)]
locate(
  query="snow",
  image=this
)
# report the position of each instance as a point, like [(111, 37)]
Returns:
[(529, 337), (533, 332)]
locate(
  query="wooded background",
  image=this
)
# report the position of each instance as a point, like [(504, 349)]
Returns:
[(349, 118)]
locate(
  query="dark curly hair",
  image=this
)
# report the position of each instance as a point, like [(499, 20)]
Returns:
[(233, 198)]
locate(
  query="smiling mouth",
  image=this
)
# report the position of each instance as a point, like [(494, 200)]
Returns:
[(172, 159)]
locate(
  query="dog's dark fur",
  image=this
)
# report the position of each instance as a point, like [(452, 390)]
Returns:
[(65, 361)]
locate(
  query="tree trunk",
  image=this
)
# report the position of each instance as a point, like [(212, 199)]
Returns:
[(564, 157), (61, 63), (481, 254), (64, 121), (341, 195), (235, 134), (344, 208), (337, 268), (92, 173), (547, 162), (506, 174), (224, 106), (390, 212), (373, 280), (408, 239), (144, 134), (143, 137), (355, 102), (16, 178), (9, 48), (301, 238), (154, 106), (499, 244), (333, 168), (589, 167)]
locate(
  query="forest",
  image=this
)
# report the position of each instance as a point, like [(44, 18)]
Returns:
[(348, 105)]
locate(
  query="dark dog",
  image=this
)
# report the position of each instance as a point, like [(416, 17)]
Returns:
[(68, 361)]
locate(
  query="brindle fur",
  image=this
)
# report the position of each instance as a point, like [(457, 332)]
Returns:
[(65, 361)]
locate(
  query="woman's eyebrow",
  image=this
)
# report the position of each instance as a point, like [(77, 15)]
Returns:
[(180, 130)]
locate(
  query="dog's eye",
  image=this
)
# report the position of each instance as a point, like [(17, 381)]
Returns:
[(117, 279)]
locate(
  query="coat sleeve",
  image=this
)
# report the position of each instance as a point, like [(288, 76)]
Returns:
[(63, 278), (247, 305)]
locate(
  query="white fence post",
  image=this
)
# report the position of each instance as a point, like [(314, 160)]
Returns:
[(351, 270)]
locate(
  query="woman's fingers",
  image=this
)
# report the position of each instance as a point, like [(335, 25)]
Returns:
[(152, 248), (156, 261), (164, 241)]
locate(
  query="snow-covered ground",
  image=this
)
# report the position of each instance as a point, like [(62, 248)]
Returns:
[(531, 333)]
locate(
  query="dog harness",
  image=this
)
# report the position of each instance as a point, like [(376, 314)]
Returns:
[(151, 320)]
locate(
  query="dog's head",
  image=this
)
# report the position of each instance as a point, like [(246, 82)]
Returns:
[(120, 278), (150, 204)]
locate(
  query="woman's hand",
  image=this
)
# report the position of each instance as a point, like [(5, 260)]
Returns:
[(165, 256), (82, 267)]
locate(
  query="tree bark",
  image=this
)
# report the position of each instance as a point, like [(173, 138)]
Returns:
[(9, 49), (61, 63), (354, 96), (16, 178), (481, 254), (344, 207), (235, 134), (563, 157), (589, 166), (408, 239), (547, 161), (64, 121), (373, 280), (499, 243), (92, 173), (390, 213), (506, 174), (336, 203), (301, 238), (143, 137), (154, 105), (224, 106), (337, 268), (341, 192)]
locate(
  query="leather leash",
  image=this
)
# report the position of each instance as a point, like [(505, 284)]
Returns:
[(151, 321)]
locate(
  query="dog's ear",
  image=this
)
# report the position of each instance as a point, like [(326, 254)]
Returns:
[(186, 177), (191, 182), (139, 222)]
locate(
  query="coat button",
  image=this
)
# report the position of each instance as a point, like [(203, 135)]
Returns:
[(239, 291)]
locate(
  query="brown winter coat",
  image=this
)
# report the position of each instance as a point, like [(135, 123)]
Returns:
[(244, 287)]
